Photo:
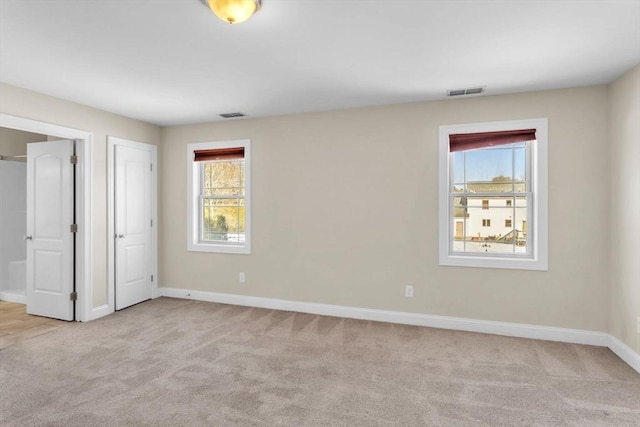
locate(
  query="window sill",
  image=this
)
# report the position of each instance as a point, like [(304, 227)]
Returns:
[(449, 260), (217, 248)]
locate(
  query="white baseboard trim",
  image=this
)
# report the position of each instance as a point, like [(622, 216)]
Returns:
[(100, 311), (17, 298), (520, 330), (624, 352), (548, 333)]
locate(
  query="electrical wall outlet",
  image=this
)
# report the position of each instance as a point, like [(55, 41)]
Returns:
[(242, 278), (408, 291)]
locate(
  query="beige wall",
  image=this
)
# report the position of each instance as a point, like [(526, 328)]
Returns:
[(345, 212), (14, 142), (328, 186), (23, 103), (624, 292)]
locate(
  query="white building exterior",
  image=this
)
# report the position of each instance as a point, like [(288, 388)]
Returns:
[(490, 219)]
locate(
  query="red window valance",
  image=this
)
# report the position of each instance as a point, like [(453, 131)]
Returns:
[(233, 153), (472, 141)]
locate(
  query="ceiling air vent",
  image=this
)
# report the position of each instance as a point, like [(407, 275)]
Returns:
[(232, 115), (470, 91)]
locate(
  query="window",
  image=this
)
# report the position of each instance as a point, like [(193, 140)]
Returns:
[(502, 164), (219, 197)]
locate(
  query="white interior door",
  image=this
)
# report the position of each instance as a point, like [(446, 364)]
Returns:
[(50, 240), (133, 262)]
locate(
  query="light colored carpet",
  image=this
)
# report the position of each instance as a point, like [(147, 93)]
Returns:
[(171, 362)]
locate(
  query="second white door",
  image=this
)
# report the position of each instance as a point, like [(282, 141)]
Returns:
[(133, 215)]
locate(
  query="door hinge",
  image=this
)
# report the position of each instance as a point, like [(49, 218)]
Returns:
[(74, 160), (152, 278), (151, 167), (73, 296), (152, 223), (74, 228)]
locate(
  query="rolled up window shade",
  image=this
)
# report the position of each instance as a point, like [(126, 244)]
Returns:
[(233, 153), (473, 141)]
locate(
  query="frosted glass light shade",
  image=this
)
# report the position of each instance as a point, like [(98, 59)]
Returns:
[(234, 11)]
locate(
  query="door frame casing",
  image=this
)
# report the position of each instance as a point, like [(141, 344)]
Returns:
[(112, 142), (84, 208)]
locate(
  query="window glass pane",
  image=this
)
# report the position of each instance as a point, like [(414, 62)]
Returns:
[(483, 203), (490, 187), (476, 217), (457, 165), (520, 187), (489, 165), (520, 225), (223, 178), (483, 246), (223, 219), (458, 228), (519, 164), (241, 173), (459, 207), (477, 229)]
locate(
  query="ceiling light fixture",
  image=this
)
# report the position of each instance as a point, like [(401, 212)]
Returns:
[(233, 11)]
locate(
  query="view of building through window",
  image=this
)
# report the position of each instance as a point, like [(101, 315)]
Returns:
[(222, 201), (490, 198)]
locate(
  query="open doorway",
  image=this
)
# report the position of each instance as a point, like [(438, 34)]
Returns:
[(13, 212), (14, 267)]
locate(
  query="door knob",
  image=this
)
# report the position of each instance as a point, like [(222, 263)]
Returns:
[(28, 237), (120, 236)]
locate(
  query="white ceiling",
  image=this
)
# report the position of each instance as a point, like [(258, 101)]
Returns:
[(173, 62)]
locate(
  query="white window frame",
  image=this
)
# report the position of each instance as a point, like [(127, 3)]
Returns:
[(194, 244), (537, 228)]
